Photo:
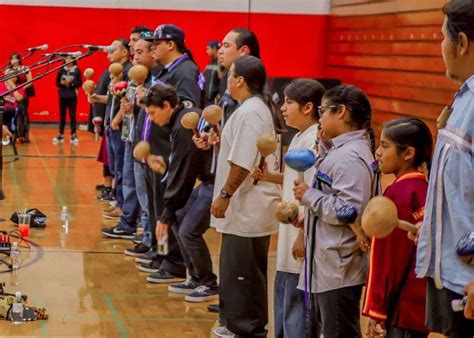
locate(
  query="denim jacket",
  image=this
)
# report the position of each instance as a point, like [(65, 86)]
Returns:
[(449, 210)]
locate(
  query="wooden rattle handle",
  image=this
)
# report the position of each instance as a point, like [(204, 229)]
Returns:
[(261, 166), (404, 225)]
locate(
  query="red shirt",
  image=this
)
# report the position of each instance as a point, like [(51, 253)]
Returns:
[(10, 100), (393, 292)]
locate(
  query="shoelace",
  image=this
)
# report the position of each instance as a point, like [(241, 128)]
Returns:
[(201, 289)]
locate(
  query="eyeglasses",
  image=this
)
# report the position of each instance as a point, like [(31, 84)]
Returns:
[(322, 109)]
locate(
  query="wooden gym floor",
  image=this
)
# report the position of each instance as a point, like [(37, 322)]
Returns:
[(89, 287)]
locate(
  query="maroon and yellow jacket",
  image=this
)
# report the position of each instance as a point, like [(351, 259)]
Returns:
[(394, 294)]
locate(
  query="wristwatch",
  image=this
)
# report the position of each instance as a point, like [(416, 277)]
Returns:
[(225, 194)]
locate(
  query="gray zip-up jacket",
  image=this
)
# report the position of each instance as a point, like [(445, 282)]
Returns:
[(345, 174)]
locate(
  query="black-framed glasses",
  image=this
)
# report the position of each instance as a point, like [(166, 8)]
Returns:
[(322, 109)]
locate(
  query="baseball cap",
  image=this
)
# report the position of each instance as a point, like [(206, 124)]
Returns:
[(167, 32), (214, 44)]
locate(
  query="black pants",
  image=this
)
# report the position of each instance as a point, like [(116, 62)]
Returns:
[(440, 316), (243, 284), (173, 262), (64, 105), (395, 332), (340, 312), (192, 223)]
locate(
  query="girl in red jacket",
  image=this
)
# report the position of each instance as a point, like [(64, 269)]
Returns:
[(395, 298)]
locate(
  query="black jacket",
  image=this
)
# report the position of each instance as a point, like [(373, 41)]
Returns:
[(98, 109), (186, 164), (159, 137), (69, 91), (212, 82)]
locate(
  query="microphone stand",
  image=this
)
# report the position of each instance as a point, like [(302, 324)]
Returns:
[(2, 104)]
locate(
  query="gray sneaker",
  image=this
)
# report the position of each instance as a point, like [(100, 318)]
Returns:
[(163, 277), (202, 293), (184, 288)]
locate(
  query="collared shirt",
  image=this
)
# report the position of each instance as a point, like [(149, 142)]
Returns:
[(184, 75), (344, 175), (450, 204)]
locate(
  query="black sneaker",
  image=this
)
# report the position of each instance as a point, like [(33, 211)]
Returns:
[(116, 232), (137, 250), (109, 197), (202, 293), (105, 192), (163, 277), (138, 239), (148, 257), (151, 267), (185, 288), (99, 187)]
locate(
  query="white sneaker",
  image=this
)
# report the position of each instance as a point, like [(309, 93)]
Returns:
[(222, 331), (74, 139), (58, 139)]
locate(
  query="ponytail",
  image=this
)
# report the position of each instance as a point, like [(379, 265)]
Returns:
[(181, 47), (371, 133), (278, 121)]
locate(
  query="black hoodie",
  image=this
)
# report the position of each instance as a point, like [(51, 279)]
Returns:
[(186, 164)]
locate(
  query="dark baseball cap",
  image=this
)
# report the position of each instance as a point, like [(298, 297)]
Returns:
[(167, 32), (214, 44)]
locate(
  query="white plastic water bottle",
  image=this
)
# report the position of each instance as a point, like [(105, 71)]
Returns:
[(64, 218), (162, 247), (15, 256), (17, 309)]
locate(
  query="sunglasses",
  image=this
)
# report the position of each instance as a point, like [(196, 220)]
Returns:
[(146, 35)]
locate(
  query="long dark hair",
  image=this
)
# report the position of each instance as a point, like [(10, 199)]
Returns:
[(181, 47), (411, 132), (460, 14), (249, 39), (255, 76), (303, 91), (15, 55), (358, 104)]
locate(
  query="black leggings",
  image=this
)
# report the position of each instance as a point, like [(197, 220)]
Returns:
[(65, 104)]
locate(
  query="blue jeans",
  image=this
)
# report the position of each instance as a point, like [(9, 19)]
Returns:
[(290, 309), (130, 205), (192, 222), (140, 186), (115, 151)]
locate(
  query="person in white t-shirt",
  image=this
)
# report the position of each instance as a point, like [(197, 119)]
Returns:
[(243, 212), (302, 98)]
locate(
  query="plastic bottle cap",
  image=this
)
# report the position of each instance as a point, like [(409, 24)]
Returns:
[(18, 294)]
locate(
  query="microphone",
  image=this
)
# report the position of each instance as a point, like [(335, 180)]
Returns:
[(73, 54), (93, 48), (42, 47)]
